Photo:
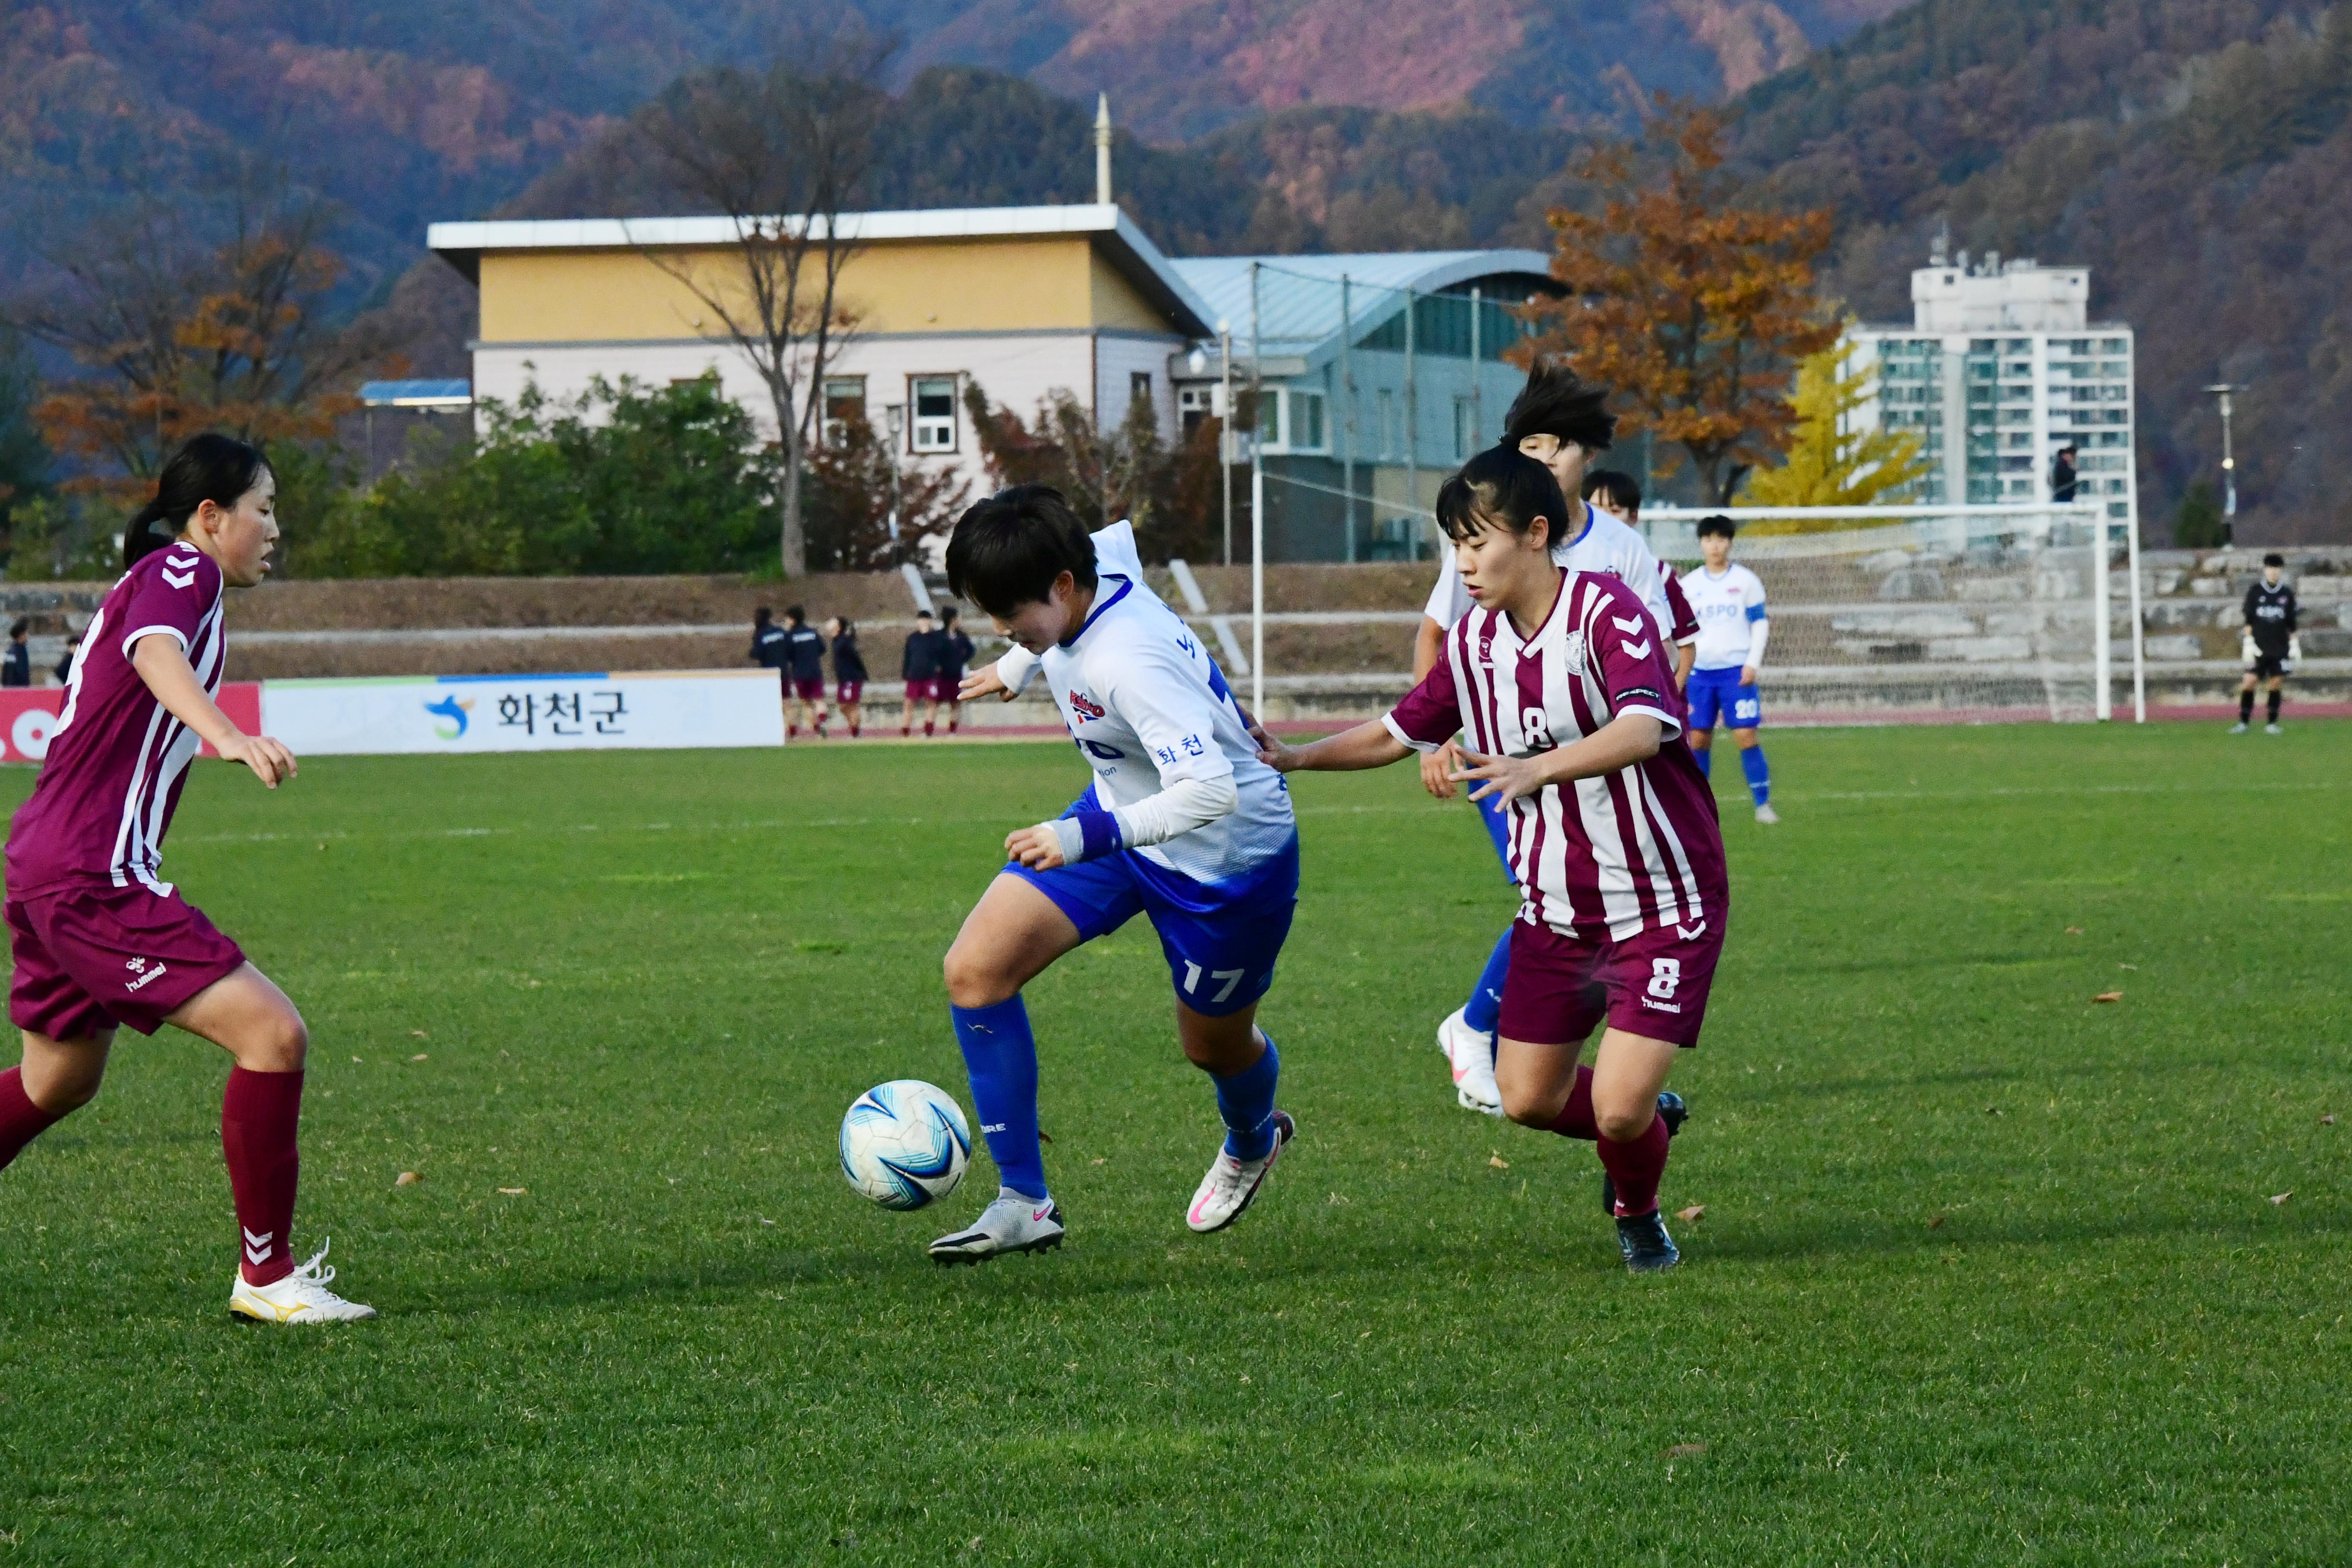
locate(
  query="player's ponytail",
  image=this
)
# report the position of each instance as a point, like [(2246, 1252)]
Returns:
[(210, 467)]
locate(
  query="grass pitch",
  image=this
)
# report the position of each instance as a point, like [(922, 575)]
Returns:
[(1989, 1272)]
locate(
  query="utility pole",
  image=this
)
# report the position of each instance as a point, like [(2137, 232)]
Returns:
[(1411, 428), (1102, 149), (2223, 389), (1225, 430), (894, 419), (1347, 429), (1257, 512), (1477, 388)]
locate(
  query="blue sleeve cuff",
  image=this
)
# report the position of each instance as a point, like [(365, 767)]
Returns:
[(1098, 833), (1755, 612)]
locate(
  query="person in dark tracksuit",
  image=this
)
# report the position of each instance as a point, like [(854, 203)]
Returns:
[(768, 651), (919, 667), (17, 670), (2269, 642), (804, 669), (955, 653), (848, 673)]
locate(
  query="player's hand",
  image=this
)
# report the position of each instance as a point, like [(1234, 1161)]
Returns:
[(1038, 847), (983, 682), (1273, 752), (271, 760), (1437, 769), (1747, 675), (1501, 779)]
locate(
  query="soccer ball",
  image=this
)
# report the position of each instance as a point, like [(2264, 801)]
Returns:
[(905, 1144)]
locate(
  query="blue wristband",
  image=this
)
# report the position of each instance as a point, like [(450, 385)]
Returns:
[(1098, 833)]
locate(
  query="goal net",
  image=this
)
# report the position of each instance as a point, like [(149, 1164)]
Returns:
[(1910, 614)]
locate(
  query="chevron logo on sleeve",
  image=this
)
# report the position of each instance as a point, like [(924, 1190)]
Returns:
[(1622, 625), (1635, 649), (188, 582)]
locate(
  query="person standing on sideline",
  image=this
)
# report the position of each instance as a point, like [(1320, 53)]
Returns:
[(955, 653), (768, 652), (17, 670), (804, 662), (99, 940), (848, 673), (2062, 476), (2269, 642), (1733, 628), (65, 661), (919, 667)]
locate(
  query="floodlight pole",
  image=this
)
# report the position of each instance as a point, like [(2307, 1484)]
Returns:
[(1257, 512), (1347, 429), (1411, 430), (1477, 392), (894, 419), (2228, 463), (1225, 431)]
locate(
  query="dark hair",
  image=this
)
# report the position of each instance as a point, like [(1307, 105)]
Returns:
[(1718, 524), (2272, 559), (1008, 550), (1501, 487), (795, 615), (2067, 447), (762, 616), (922, 614), (848, 627), (1557, 402), (1622, 492), (20, 629), (210, 467), (947, 614)]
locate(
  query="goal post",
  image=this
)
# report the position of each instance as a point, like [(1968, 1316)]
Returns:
[(1928, 613)]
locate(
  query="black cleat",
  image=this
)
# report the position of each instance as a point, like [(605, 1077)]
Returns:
[(1674, 1114), (1643, 1240)]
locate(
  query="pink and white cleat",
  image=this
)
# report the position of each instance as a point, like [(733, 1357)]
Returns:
[(1232, 1185), (1471, 1056)]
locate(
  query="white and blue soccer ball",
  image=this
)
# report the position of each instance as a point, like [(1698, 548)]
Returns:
[(905, 1144)]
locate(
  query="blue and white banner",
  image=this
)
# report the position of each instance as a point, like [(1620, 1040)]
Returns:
[(464, 713)]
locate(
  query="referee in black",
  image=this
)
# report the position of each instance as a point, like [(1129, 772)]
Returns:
[(2269, 643)]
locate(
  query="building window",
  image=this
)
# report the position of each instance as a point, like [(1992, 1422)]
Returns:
[(1305, 432), (1193, 404), (1139, 386), (934, 397), (844, 404)]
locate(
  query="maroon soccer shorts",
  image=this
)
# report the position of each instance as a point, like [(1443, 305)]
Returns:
[(1653, 983), (848, 691), (809, 690), (925, 690), (90, 956)]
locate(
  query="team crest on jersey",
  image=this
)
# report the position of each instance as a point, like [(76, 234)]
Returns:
[(1085, 708), (1576, 650)]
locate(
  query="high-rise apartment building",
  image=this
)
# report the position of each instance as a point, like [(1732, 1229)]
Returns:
[(2001, 367)]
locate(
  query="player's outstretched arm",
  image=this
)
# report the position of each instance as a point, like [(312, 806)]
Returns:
[(983, 682), (1625, 740), (1368, 745), (164, 667)]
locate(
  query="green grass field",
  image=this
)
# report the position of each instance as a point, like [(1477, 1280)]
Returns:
[(1988, 1273)]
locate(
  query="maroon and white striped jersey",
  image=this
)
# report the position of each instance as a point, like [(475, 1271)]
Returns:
[(1635, 848), (117, 759)]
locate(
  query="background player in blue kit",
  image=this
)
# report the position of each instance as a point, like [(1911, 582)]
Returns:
[(1182, 823), (1732, 628)]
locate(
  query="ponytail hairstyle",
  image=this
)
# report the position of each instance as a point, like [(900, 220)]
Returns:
[(211, 467), (763, 616)]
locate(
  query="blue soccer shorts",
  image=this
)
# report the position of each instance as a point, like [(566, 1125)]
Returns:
[(1716, 696), (1221, 939)]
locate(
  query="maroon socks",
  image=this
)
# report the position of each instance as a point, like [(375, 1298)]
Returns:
[(21, 1120), (1635, 1167), (258, 1116), (1576, 1117)]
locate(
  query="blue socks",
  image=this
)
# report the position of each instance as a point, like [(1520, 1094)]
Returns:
[(1246, 1101), (1705, 756), (1000, 1055), (1759, 779), (1484, 1011)]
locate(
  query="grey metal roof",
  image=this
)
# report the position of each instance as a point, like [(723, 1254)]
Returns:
[(1298, 297)]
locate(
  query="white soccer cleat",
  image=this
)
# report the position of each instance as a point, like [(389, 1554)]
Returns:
[(1230, 1186), (1013, 1223), (2274, 728), (1766, 815), (2239, 728), (1471, 1055), (301, 1296)]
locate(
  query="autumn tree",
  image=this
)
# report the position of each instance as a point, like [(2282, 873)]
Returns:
[(855, 483), (1830, 461), (780, 156), (180, 334), (1694, 307), (1126, 471)]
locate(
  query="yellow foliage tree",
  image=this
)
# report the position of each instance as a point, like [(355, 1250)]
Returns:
[(1830, 462)]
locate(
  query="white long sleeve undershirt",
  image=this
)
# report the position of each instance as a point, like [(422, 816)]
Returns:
[(1759, 632), (1181, 807)]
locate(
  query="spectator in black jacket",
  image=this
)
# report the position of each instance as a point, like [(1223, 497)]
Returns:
[(65, 664), (848, 673), (804, 667), (2062, 475), (919, 667), (2269, 642), (955, 653), (18, 670)]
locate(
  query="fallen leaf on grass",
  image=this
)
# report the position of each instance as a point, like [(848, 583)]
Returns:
[(1101, 1159), (1684, 1450), (418, 1035), (512, 1192), (764, 1220), (2281, 1197), (1936, 1223), (1691, 1214), (2108, 996), (418, 1057), (1044, 1136), (2127, 967), (1339, 1201), (355, 1058), (2328, 1120), (406, 1179), (1498, 1163), (2073, 930)]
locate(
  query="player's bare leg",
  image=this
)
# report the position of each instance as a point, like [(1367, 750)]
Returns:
[(1618, 1104), (1012, 936), (56, 1079), (1244, 1065), (247, 1015)]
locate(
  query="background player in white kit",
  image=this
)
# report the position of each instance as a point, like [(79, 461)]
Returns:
[(1182, 823), (1560, 421), (1732, 630)]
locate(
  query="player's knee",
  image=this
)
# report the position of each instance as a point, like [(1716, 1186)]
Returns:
[(1623, 1124), (1523, 1105), (63, 1093), (971, 982), (281, 1043)]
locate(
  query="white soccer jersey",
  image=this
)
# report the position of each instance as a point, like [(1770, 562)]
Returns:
[(1606, 546), (1148, 708), (1730, 609)]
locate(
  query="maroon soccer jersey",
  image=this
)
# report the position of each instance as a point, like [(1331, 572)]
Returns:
[(117, 759), (1685, 618), (1635, 848)]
